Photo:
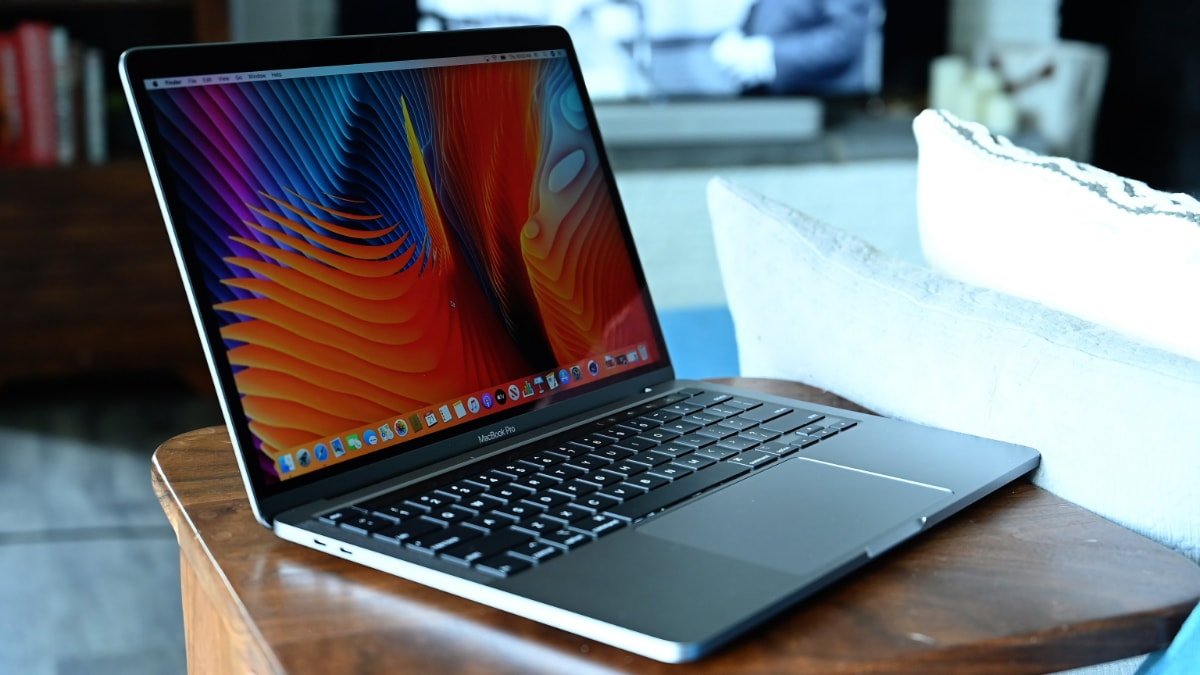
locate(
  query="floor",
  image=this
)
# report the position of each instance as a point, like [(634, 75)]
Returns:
[(89, 575), (89, 579)]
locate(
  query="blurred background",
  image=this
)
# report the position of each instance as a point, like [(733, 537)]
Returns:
[(807, 101)]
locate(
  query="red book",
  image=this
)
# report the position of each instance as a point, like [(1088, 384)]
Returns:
[(10, 100), (39, 119)]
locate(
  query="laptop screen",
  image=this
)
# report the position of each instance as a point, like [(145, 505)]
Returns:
[(394, 250)]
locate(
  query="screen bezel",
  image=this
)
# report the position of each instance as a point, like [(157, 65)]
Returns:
[(269, 499)]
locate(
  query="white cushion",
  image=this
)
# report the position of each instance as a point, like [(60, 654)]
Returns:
[(1064, 234), (1116, 421)]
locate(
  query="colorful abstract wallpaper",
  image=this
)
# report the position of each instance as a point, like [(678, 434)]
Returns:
[(375, 242)]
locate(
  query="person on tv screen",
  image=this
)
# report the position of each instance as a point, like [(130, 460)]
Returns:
[(798, 46)]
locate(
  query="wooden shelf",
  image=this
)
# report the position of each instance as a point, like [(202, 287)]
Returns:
[(86, 269)]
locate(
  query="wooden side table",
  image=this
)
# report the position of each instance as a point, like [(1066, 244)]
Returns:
[(1022, 582)]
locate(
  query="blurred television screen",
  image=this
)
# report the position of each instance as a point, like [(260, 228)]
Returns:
[(663, 49)]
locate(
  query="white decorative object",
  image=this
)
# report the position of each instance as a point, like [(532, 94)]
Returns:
[(1067, 235), (1116, 421)]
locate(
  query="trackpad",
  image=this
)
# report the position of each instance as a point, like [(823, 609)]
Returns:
[(798, 516)]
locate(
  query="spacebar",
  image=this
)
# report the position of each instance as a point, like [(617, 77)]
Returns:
[(677, 491)]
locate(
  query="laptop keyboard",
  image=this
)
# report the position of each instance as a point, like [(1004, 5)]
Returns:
[(557, 495)]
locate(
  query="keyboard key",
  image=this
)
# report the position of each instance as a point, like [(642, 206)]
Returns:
[(597, 440), (537, 483), (737, 443), (664, 416), (502, 565), (696, 461), (333, 517), (535, 551), (777, 448), (650, 458), (548, 499), (575, 488), (565, 538), (648, 481), (716, 432), (621, 431), (510, 492), (674, 449), (565, 472), (680, 427), (758, 435), (766, 412), (695, 441), (569, 450), (722, 411), (492, 478), (597, 502), (736, 423), (753, 459), (677, 491), (481, 503), (840, 425), (684, 408), (427, 502), (436, 541), (716, 452), (598, 525), (657, 436), (642, 442), (449, 515), (671, 471), (397, 512), (792, 421), (398, 534), (614, 453), (703, 419), (709, 398), (520, 469), (519, 511), (463, 489), (568, 513), (602, 478), (538, 525), (810, 430), (482, 547), (800, 441), (626, 468), (363, 523), (642, 423), (689, 392), (546, 459), (488, 522), (742, 403), (623, 491), (590, 462)]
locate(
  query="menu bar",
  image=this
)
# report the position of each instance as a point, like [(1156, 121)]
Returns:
[(321, 71)]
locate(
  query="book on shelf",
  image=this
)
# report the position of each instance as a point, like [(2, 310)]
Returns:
[(52, 100)]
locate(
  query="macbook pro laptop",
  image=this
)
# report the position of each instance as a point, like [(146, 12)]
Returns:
[(437, 356)]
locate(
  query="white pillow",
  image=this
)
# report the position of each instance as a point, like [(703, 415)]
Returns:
[(1116, 421), (1065, 234)]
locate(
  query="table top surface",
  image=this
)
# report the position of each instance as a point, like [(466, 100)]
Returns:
[(1020, 582)]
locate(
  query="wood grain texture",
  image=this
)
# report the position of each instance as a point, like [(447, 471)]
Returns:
[(1022, 582), (87, 268)]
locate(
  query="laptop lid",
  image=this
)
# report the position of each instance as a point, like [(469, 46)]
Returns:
[(397, 248)]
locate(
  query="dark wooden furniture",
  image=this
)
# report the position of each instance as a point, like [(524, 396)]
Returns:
[(1022, 582), (86, 271)]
